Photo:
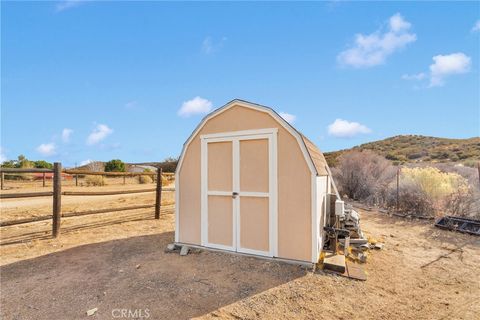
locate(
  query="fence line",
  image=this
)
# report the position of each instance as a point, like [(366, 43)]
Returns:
[(73, 214), (25, 170), (25, 195), (104, 193), (57, 194), (76, 173)]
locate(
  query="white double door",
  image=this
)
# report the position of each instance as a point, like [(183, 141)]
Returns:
[(239, 191)]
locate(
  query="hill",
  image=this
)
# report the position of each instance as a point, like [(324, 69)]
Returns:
[(416, 148)]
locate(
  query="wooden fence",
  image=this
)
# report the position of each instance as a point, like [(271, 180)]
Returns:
[(57, 194)]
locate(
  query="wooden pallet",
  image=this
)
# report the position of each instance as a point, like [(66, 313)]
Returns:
[(464, 225)]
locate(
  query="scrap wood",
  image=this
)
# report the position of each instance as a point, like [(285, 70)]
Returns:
[(352, 271)]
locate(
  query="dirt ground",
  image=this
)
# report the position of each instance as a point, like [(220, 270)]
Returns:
[(116, 263)]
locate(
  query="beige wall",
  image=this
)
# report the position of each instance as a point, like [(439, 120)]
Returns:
[(294, 183)]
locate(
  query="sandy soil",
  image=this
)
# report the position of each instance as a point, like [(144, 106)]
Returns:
[(117, 261)]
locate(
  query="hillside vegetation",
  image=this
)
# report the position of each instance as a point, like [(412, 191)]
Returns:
[(416, 148)]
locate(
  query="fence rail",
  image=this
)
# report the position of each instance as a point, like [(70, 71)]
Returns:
[(25, 195), (25, 170), (57, 194), (76, 173)]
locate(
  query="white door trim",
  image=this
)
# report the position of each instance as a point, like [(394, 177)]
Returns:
[(235, 138)]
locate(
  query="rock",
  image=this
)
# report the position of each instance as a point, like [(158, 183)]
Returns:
[(378, 246), (171, 246), (184, 251), (91, 312), (137, 266), (362, 257)]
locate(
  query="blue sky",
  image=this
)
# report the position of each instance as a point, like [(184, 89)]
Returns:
[(130, 80)]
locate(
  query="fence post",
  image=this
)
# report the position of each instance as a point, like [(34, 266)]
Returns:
[(158, 199), (57, 198), (478, 167), (76, 180), (123, 179), (43, 179), (3, 177), (398, 178)]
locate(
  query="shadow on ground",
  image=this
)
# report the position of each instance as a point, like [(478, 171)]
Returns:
[(134, 274)]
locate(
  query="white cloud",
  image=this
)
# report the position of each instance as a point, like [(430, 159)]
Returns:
[(373, 49), (209, 46), (476, 27), (442, 67), (196, 105), (446, 65), (100, 132), (290, 118), (68, 4), (66, 133), (345, 129), (418, 76), (47, 149)]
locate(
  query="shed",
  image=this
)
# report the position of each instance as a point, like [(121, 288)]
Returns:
[(248, 182)]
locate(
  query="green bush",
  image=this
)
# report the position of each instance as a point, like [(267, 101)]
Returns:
[(115, 165), (43, 164)]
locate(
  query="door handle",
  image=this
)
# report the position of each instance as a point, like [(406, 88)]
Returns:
[(234, 195)]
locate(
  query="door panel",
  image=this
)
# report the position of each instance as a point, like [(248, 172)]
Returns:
[(220, 173), (219, 191), (254, 165), (254, 223), (220, 220)]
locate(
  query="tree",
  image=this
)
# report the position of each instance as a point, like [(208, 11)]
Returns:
[(9, 164), (42, 164), (23, 162), (169, 164), (115, 165)]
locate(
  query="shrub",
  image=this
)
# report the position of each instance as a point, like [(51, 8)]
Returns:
[(144, 179), (169, 164), (435, 183), (94, 181), (115, 165), (364, 175), (43, 164), (411, 199), (465, 204), (392, 156)]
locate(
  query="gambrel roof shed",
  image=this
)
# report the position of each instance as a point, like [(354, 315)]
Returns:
[(248, 182)]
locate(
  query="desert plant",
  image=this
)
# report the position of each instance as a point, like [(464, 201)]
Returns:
[(411, 199), (144, 179), (435, 183), (363, 175), (115, 165), (94, 181), (463, 203), (169, 164)]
